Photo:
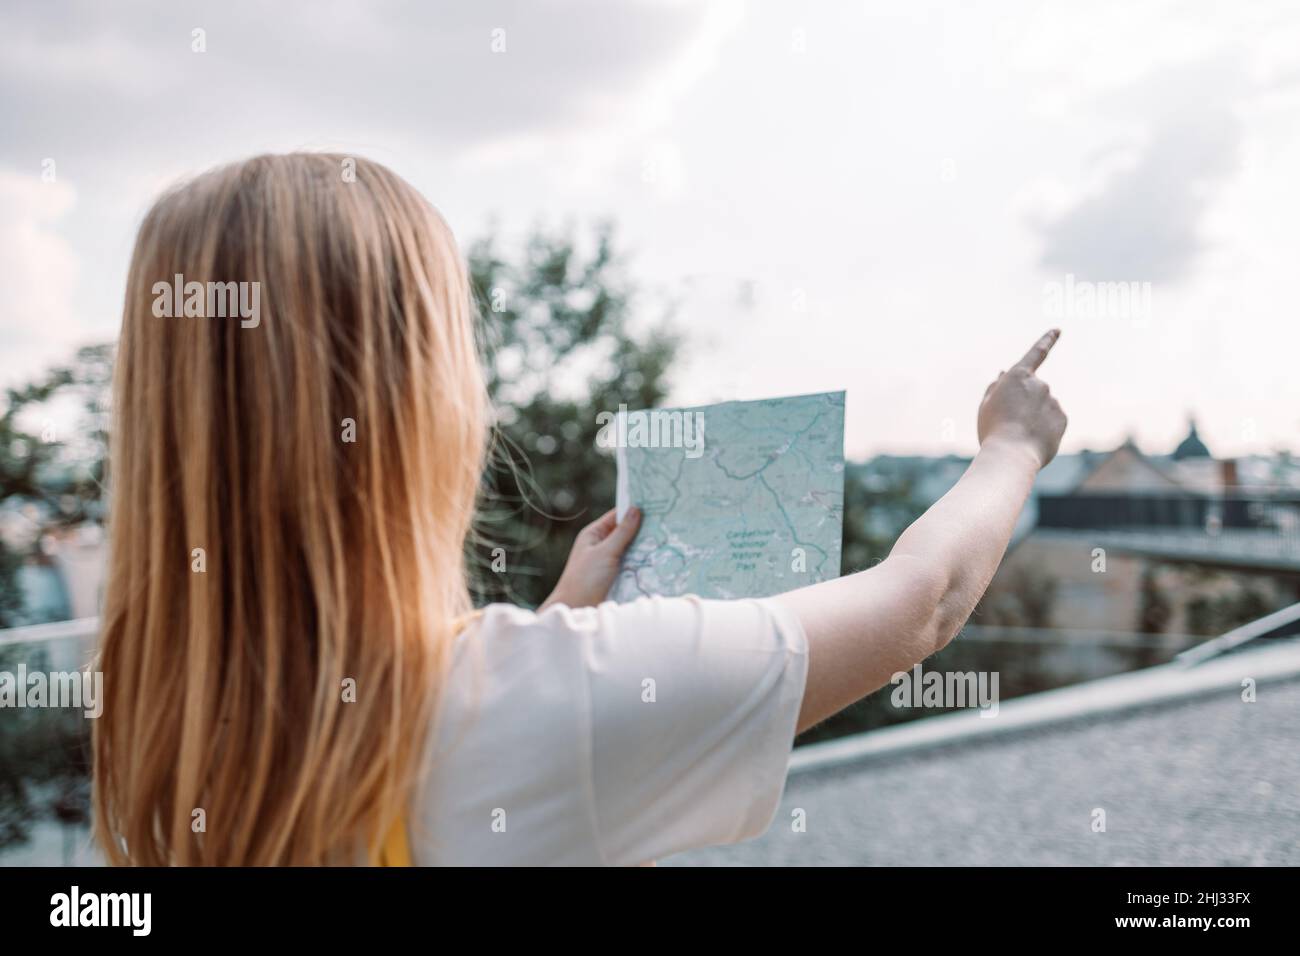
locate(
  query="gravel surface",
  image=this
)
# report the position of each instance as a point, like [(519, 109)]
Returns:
[(1211, 781)]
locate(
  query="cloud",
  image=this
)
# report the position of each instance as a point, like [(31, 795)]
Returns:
[(117, 96), (454, 76), (1142, 223), (38, 319)]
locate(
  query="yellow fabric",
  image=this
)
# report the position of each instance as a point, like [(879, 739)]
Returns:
[(396, 850)]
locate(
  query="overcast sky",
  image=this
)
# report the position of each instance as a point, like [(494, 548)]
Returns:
[(877, 197)]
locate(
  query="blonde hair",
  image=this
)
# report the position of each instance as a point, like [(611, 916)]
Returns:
[(325, 460)]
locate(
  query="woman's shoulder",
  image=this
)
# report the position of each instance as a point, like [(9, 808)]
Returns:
[(510, 621), (672, 627)]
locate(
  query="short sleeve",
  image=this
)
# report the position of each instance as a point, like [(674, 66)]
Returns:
[(693, 707)]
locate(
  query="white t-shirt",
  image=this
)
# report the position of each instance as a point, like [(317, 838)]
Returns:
[(611, 735)]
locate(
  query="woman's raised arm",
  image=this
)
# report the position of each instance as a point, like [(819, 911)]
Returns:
[(867, 626)]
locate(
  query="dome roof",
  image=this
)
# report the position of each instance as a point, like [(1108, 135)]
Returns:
[(1191, 446)]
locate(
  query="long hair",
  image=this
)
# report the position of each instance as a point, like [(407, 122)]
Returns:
[(290, 497)]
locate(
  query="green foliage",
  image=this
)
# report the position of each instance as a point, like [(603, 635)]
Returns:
[(877, 508), (1026, 598), (560, 346), (11, 595), (1211, 615), (40, 461), (53, 443), (44, 759), (1155, 610)]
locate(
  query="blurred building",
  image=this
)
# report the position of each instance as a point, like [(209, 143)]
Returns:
[(1129, 542)]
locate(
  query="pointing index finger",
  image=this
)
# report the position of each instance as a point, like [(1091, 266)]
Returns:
[(1038, 353)]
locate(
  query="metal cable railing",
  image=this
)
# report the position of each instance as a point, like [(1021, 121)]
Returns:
[(81, 627)]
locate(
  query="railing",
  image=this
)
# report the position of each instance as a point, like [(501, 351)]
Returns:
[(1246, 531), (82, 627), (1282, 623), (44, 775), (1279, 514)]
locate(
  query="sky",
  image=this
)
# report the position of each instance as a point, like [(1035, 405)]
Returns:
[(894, 199)]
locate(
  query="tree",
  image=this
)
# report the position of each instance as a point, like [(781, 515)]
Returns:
[(1238, 602), (878, 507), (560, 346), (1154, 614), (53, 442)]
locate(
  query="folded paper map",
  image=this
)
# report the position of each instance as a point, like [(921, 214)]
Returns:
[(741, 499)]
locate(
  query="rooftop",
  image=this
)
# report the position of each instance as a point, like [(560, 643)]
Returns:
[(1186, 771)]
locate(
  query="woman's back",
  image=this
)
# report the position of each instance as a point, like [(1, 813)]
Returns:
[(611, 735)]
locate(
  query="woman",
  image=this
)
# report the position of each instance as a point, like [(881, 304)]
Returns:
[(293, 672)]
